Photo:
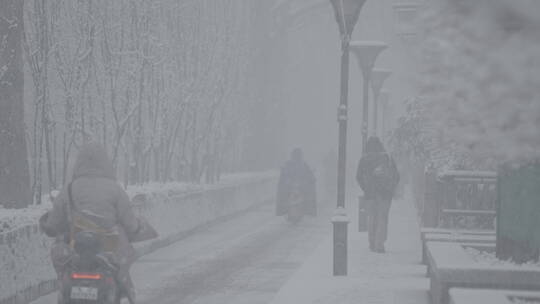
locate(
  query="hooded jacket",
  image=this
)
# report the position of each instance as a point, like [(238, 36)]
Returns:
[(96, 193), (374, 157), (296, 172)]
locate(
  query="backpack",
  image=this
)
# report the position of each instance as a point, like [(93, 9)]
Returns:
[(383, 176), (79, 221)]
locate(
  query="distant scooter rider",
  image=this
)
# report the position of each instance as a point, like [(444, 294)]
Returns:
[(98, 197), (296, 175)]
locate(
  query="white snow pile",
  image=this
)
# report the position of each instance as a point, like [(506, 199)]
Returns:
[(177, 188), (489, 259), (171, 188), (13, 219), (24, 251), (524, 300)]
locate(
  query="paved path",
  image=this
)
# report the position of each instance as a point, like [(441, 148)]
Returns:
[(394, 277), (244, 260), (258, 258)]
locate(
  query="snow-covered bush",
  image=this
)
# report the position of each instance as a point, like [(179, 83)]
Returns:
[(417, 138), (481, 82), (168, 87)]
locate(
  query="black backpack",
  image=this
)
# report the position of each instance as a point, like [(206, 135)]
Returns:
[(383, 176)]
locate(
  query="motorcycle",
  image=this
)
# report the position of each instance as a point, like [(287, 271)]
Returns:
[(91, 276), (85, 260), (296, 205)]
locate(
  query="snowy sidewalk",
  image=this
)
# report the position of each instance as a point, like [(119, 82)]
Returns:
[(394, 277)]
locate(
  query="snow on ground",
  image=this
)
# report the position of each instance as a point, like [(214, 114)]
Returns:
[(13, 219), (489, 259), (394, 277), (242, 260), (525, 301)]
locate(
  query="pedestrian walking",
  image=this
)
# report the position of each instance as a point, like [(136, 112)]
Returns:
[(378, 177)]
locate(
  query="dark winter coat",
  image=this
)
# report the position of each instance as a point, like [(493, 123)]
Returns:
[(375, 157), (296, 173), (96, 194)]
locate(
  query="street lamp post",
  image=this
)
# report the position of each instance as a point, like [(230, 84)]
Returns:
[(384, 98), (378, 77), (347, 13), (366, 52)]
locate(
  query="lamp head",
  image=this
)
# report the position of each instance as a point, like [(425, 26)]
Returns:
[(347, 13), (367, 52)]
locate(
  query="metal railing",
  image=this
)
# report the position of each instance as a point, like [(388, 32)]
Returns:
[(460, 199)]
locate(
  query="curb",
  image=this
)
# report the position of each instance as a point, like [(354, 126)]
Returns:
[(154, 245)]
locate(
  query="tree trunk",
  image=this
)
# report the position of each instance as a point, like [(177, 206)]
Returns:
[(14, 171)]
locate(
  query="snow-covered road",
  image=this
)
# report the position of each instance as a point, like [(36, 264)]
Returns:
[(243, 260)]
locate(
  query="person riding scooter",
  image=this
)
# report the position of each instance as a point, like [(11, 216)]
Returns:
[(296, 178), (94, 198)]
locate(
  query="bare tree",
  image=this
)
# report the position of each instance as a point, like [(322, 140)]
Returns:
[(36, 47), (167, 86), (14, 172)]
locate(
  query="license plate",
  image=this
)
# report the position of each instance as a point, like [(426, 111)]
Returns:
[(84, 293)]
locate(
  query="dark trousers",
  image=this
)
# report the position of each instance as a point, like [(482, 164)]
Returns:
[(377, 219)]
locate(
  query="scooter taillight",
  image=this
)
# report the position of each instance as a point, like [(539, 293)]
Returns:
[(86, 276)]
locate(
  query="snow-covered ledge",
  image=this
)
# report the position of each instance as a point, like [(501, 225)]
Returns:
[(466, 296), (452, 265), (455, 236), (175, 210)]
